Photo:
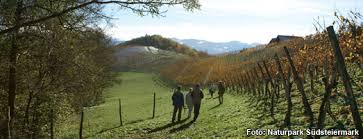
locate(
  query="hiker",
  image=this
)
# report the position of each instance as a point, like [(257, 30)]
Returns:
[(178, 102), (221, 90), (211, 90), (189, 101), (197, 96)]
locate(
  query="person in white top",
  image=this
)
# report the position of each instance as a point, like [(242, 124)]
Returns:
[(189, 102)]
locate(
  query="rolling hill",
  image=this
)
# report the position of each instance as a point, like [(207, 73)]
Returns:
[(145, 58), (162, 43), (152, 52)]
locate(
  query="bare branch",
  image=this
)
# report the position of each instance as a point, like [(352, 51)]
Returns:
[(150, 6)]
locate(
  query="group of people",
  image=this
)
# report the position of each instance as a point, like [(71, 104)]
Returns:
[(221, 90), (193, 100)]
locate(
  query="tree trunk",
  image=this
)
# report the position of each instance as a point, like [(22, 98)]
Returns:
[(27, 110), (12, 70)]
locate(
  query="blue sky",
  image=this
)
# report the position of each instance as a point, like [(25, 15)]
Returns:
[(228, 20)]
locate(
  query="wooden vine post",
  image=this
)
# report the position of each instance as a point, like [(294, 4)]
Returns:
[(272, 94), (300, 86), (329, 83), (346, 79), (287, 88)]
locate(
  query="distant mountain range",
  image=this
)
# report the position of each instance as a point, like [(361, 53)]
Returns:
[(215, 47), (115, 41)]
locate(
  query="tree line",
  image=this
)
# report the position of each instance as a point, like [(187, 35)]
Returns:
[(54, 60)]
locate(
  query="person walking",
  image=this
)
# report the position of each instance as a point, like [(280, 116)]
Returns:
[(211, 90), (221, 90), (189, 102), (197, 97), (178, 102)]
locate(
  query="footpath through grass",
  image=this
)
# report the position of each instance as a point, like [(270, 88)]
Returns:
[(230, 119)]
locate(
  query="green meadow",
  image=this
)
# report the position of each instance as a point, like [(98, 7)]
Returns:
[(230, 119)]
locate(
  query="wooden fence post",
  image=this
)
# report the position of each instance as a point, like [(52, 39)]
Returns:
[(119, 111), (81, 125), (9, 123), (154, 106), (52, 123), (346, 79)]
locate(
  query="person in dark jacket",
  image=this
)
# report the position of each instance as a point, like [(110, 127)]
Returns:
[(178, 102), (221, 90), (211, 90), (197, 96)]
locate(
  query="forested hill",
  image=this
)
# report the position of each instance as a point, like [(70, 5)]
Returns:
[(162, 43)]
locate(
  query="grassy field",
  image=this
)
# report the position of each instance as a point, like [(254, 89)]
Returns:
[(231, 119), (136, 93)]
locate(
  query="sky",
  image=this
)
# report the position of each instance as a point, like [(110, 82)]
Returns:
[(248, 21)]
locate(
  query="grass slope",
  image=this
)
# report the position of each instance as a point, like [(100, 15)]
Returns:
[(146, 58), (228, 120), (231, 119)]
